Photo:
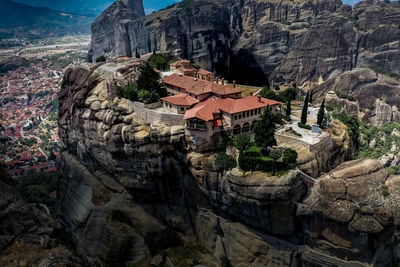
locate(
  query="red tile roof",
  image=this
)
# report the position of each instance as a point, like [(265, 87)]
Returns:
[(199, 87), (180, 100), (204, 72), (180, 62), (205, 110)]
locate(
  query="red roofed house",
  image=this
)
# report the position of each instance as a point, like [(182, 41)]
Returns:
[(205, 75), (178, 103), (236, 115), (183, 67), (199, 89)]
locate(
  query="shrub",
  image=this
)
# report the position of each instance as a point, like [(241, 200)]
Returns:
[(101, 59), (159, 62), (290, 157), (242, 142), (385, 190), (144, 96), (259, 163), (304, 126), (160, 240), (225, 162), (129, 92)]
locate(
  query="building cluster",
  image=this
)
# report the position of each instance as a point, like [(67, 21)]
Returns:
[(28, 137), (208, 104)]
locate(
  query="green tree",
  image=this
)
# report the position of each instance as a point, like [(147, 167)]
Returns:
[(130, 92), (148, 81), (144, 96), (288, 107), (305, 110), (101, 59), (310, 97), (242, 142), (158, 62), (290, 157), (137, 53), (225, 162), (321, 114), (264, 130)]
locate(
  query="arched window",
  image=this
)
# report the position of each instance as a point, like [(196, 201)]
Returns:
[(246, 127), (237, 130)]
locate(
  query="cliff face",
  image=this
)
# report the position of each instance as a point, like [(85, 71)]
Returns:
[(121, 178), (302, 41)]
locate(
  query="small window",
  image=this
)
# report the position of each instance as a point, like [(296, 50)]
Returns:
[(240, 116), (182, 109)]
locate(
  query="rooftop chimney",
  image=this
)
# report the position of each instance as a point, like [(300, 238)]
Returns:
[(259, 98), (251, 93), (217, 80), (234, 84), (223, 81)]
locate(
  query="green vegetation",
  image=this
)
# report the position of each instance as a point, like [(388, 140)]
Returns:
[(353, 128), (129, 92), (159, 62), (304, 112), (345, 96), (161, 240), (242, 143), (36, 188), (393, 75), (321, 114), (304, 126), (385, 190), (148, 89), (284, 96), (225, 162), (264, 130), (384, 140), (137, 55), (101, 59)]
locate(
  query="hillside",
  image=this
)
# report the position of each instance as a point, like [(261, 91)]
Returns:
[(22, 20)]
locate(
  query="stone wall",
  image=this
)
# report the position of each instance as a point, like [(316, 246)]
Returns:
[(152, 116)]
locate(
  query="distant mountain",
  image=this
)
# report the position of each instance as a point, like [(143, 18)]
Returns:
[(22, 20), (79, 6)]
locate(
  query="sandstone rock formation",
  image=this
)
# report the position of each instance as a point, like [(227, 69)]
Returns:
[(27, 234), (269, 38), (350, 207), (121, 178)]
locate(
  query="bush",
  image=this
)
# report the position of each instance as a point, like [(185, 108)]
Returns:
[(304, 126), (144, 96), (259, 163), (225, 162), (290, 157), (130, 92), (101, 59), (242, 142), (160, 240), (159, 62)]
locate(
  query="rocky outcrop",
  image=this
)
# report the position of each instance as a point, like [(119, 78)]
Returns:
[(27, 235), (122, 178), (275, 40), (350, 207), (351, 108)]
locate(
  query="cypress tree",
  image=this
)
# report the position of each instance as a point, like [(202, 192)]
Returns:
[(288, 107), (264, 130), (310, 97), (321, 114), (137, 53), (305, 110)]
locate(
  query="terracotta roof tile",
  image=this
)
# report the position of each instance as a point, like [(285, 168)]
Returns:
[(199, 87), (180, 100), (205, 110)]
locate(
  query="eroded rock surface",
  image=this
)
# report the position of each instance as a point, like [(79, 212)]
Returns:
[(122, 177)]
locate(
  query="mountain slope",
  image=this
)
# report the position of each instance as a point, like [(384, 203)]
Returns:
[(23, 20)]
